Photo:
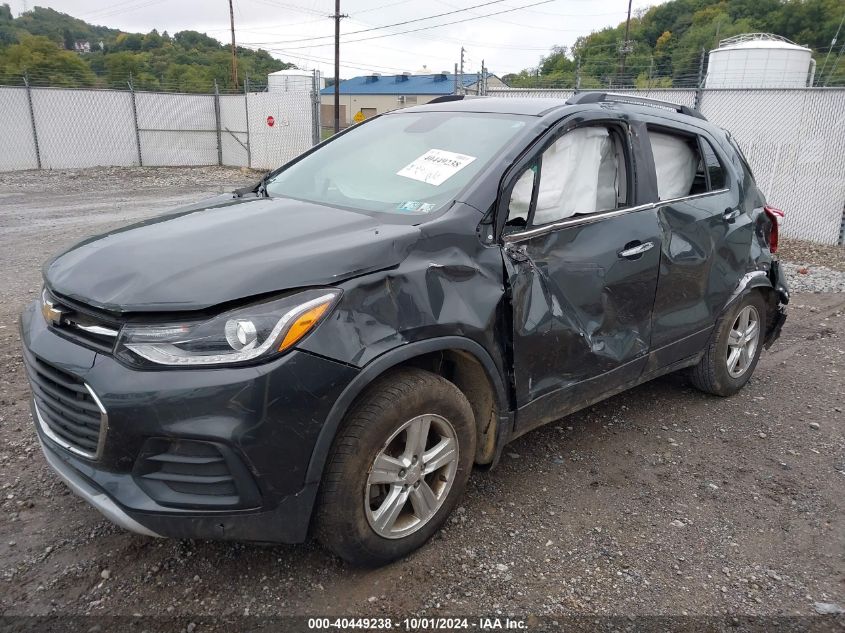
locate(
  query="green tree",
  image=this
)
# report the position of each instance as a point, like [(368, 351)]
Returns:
[(668, 40), (45, 63)]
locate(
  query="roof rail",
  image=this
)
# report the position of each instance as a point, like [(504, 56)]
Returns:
[(445, 98), (604, 97)]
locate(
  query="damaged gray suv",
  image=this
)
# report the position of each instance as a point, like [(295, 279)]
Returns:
[(331, 351)]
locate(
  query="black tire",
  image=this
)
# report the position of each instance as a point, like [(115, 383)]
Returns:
[(711, 374), (391, 401)]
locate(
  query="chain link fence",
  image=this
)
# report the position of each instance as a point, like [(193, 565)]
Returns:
[(794, 140), (55, 128)]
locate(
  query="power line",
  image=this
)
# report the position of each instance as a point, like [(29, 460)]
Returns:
[(423, 28), (115, 10), (292, 7), (386, 26), (835, 64), (832, 44)]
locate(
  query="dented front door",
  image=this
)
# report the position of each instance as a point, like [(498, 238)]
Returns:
[(581, 298)]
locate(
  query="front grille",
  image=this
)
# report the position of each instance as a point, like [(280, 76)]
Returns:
[(68, 411), (83, 324), (193, 473)]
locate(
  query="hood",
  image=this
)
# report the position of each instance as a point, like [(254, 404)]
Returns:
[(201, 256)]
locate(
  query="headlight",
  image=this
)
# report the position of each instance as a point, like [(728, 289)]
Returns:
[(237, 336)]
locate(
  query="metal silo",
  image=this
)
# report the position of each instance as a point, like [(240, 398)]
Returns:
[(760, 60)]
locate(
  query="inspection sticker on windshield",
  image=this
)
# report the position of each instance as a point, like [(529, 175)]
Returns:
[(436, 166)]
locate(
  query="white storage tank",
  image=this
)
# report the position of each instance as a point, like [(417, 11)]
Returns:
[(293, 80), (760, 60)]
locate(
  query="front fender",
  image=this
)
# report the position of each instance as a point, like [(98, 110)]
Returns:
[(382, 364)]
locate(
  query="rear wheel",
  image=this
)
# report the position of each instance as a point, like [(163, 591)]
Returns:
[(397, 468), (734, 350)]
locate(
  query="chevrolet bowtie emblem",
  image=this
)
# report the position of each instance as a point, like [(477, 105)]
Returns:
[(51, 313)]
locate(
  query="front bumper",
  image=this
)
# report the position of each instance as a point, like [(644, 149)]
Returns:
[(254, 427), (97, 498)]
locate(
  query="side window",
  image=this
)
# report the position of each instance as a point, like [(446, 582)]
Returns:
[(520, 204), (583, 171), (678, 163), (714, 167)]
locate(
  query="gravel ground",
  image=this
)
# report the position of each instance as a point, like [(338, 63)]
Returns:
[(813, 267), (660, 501)]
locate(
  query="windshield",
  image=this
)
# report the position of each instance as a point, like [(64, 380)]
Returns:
[(406, 163)]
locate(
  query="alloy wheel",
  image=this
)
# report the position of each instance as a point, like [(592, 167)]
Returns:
[(742, 341), (411, 476)]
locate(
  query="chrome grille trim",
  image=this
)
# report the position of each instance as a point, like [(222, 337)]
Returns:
[(67, 410)]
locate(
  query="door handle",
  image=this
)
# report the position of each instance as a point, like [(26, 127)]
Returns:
[(731, 214), (637, 250)]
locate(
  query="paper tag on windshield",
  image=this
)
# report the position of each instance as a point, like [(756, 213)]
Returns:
[(436, 166)]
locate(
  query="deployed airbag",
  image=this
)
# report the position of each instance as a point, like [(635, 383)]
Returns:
[(675, 163), (572, 179)]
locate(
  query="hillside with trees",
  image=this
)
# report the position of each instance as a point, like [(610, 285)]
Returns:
[(667, 40), (56, 49)]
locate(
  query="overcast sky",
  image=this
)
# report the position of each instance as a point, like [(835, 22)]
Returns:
[(299, 31)]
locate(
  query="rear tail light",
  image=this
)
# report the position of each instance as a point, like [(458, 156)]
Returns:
[(776, 216)]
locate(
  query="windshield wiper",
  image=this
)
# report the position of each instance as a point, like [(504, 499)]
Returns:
[(259, 189)]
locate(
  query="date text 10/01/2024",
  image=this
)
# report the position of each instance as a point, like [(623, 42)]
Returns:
[(415, 624)]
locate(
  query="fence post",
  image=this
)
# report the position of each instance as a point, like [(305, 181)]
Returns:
[(32, 121), (700, 88), (246, 112), (135, 119), (578, 73), (315, 107), (217, 117)]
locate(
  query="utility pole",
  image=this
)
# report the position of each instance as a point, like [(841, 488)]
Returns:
[(337, 18), (456, 78), (234, 51), (626, 47), (461, 84)]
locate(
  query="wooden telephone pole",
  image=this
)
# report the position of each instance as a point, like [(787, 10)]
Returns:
[(626, 46), (337, 18), (234, 50)]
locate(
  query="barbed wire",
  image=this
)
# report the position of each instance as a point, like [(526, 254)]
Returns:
[(687, 71)]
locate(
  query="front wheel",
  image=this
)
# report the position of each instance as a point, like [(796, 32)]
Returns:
[(397, 468), (733, 352)]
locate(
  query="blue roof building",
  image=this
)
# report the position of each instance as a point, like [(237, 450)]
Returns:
[(376, 93)]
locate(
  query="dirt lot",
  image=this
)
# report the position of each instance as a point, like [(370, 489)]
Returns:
[(658, 501)]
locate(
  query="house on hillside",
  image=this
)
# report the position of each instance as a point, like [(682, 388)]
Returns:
[(376, 93)]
